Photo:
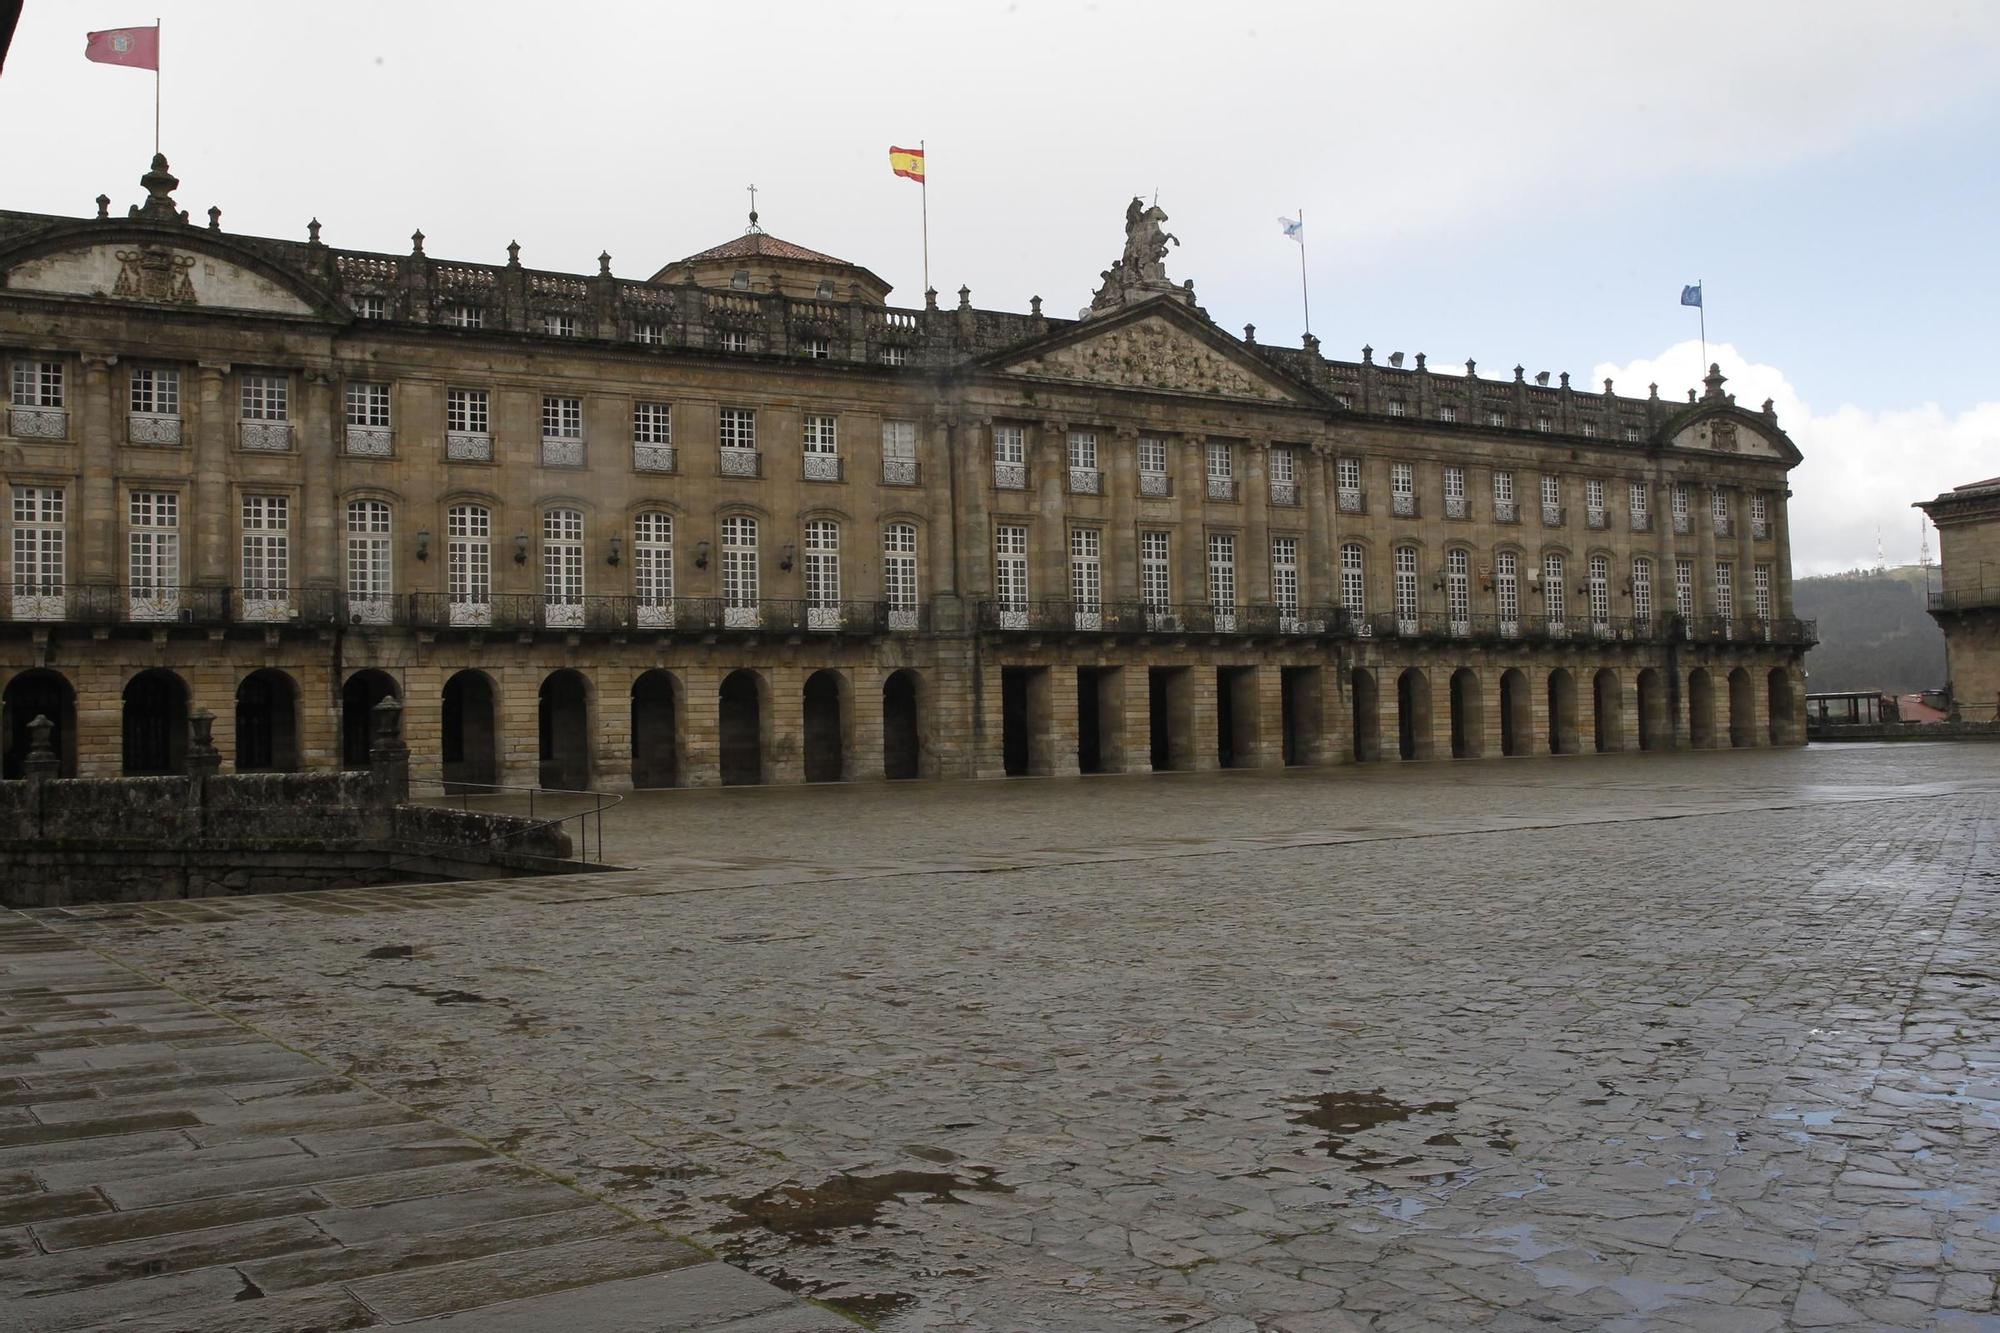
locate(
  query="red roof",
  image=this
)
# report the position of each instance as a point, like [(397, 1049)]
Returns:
[(763, 245)]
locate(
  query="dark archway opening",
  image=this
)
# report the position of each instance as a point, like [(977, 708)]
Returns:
[(1516, 720), (825, 728), (1607, 711), (1742, 709), (741, 730), (1562, 712), (155, 724), (1413, 715), (902, 741), (1169, 718), (469, 736), (1468, 718), (1089, 720), (33, 694), (267, 723), (1014, 721), (1299, 714), (358, 696), (1652, 711), (564, 727), (656, 756)]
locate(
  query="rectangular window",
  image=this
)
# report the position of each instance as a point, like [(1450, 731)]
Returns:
[(1504, 510), (264, 398), (1600, 590), (1153, 466), (465, 411), (895, 355), (1221, 470), (653, 423), (1725, 593), (1507, 591), (370, 569), (1555, 592), (822, 574), (653, 567), (1010, 460), (1552, 500), (652, 335), (1684, 588), (1155, 575), (1543, 425), (1639, 497), (1718, 507), (1083, 449), (156, 391), (1285, 576), (1347, 475), (1458, 589), (1590, 430), (1642, 589), (1631, 435), (465, 317), (367, 403), (1353, 579), (38, 384), (38, 549), (1010, 574), (153, 554), (562, 567), (562, 418), (1284, 480), (899, 453), (1496, 418), (736, 428), (1593, 495), (1403, 489), (559, 325), (1454, 492), (1222, 577), (1086, 573), (372, 307), (899, 574), (468, 564), (267, 557), (1446, 412), (1396, 407), (822, 447), (1406, 589), (1760, 591), (734, 340), (818, 349), (1680, 506)]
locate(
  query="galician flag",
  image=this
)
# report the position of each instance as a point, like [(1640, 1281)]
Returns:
[(137, 47), (1691, 295), (907, 162), (1294, 229)]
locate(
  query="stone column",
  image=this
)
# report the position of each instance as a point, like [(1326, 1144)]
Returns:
[(784, 756), (1202, 716), (861, 755), (1319, 574), (319, 502), (1263, 689), (1701, 519), (1121, 540), (701, 727), (1136, 740), (935, 467), (1052, 731), (1781, 555), (972, 475), (1191, 561), (989, 723), (1253, 564), (98, 514), (1048, 541), (211, 526)]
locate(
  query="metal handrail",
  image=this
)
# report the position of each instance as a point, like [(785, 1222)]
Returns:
[(601, 801)]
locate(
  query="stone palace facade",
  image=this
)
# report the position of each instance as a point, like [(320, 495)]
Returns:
[(744, 521), (1967, 607)]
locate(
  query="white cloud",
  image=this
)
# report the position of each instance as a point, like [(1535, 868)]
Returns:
[(1863, 468)]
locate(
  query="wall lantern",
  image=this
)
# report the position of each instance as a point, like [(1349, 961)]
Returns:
[(520, 548), (617, 551), (701, 554), (785, 557), (423, 543)]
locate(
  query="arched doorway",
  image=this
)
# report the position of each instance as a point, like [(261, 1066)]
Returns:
[(656, 751), (267, 723), (156, 724), (826, 728), (1742, 709), (1413, 715), (741, 729), (1562, 712), (1701, 709), (565, 730), (1782, 701), (1367, 715), (1652, 710), (1468, 717), (1517, 724), (358, 697), (902, 743), (469, 733), (33, 694), (1607, 711)]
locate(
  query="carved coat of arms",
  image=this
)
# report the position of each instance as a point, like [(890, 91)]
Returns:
[(1724, 435), (154, 273)]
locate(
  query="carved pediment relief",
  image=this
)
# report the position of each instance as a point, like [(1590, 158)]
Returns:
[(1152, 354), (154, 274), (1721, 435)]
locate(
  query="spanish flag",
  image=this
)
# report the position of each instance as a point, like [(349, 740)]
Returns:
[(907, 162)]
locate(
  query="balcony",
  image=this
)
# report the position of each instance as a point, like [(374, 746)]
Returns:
[(1722, 525), (562, 451), (1352, 501), (1455, 506), (1403, 504), (154, 428), (516, 613), (468, 446), (1760, 529), (900, 472), (38, 423), (741, 462), (1552, 515), (1284, 492), (1979, 597), (1506, 511), (1157, 485), (822, 467), (1595, 518), (653, 458), (1141, 618), (369, 441), (157, 605), (266, 437), (1222, 488), (1787, 631), (1642, 520), (1085, 481), (1010, 476), (1681, 525)]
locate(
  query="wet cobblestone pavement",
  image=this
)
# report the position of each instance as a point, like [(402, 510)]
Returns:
[(1703, 1041)]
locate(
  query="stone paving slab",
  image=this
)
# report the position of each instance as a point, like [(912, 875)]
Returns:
[(170, 1169)]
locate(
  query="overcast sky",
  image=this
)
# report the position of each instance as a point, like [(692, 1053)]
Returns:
[(1524, 183)]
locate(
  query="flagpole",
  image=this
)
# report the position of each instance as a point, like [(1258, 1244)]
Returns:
[(1701, 312), (924, 192), (1305, 296), (156, 85)]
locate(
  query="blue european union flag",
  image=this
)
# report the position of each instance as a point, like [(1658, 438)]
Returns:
[(1691, 295)]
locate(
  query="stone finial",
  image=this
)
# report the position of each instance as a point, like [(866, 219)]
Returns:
[(1565, 379), (1691, 397), (1035, 306), (1420, 361), (930, 298), (203, 759), (1249, 333), (388, 756), (103, 206), (214, 218), (964, 298), (160, 185), (417, 242), (1770, 408), (1714, 380), (1311, 344), (312, 232), (41, 762), (1607, 388), (1367, 355), (1653, 392), (603, 263), (1471, 368), (39, 731), (513, 254), (1520, 374)]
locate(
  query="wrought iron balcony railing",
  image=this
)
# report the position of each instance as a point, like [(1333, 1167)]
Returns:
[(1974, 598), (158, 604), (521, 612), (1138, 617)]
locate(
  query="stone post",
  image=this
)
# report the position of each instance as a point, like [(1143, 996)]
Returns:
[(388, 756), (39, 766), (204, 761)]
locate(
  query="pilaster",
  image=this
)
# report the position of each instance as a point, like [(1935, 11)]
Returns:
[(99, 517)]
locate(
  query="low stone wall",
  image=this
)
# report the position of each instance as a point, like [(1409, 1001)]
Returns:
[(1903, 731)]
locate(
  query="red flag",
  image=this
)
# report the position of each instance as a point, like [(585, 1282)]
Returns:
[(137, 47)]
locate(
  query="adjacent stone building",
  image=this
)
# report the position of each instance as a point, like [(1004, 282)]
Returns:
[(1967, 607), (746, 522)]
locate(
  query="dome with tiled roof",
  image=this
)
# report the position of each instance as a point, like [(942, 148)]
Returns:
[(760, 262)]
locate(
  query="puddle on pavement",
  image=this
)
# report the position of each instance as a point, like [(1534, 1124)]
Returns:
[(871, 1306), (441, 996), (390, 951), (1345, 1114), (808, 1213)]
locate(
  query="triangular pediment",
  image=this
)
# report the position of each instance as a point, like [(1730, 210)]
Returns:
[(1724, 428), (155, 266), (1157, 349)]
